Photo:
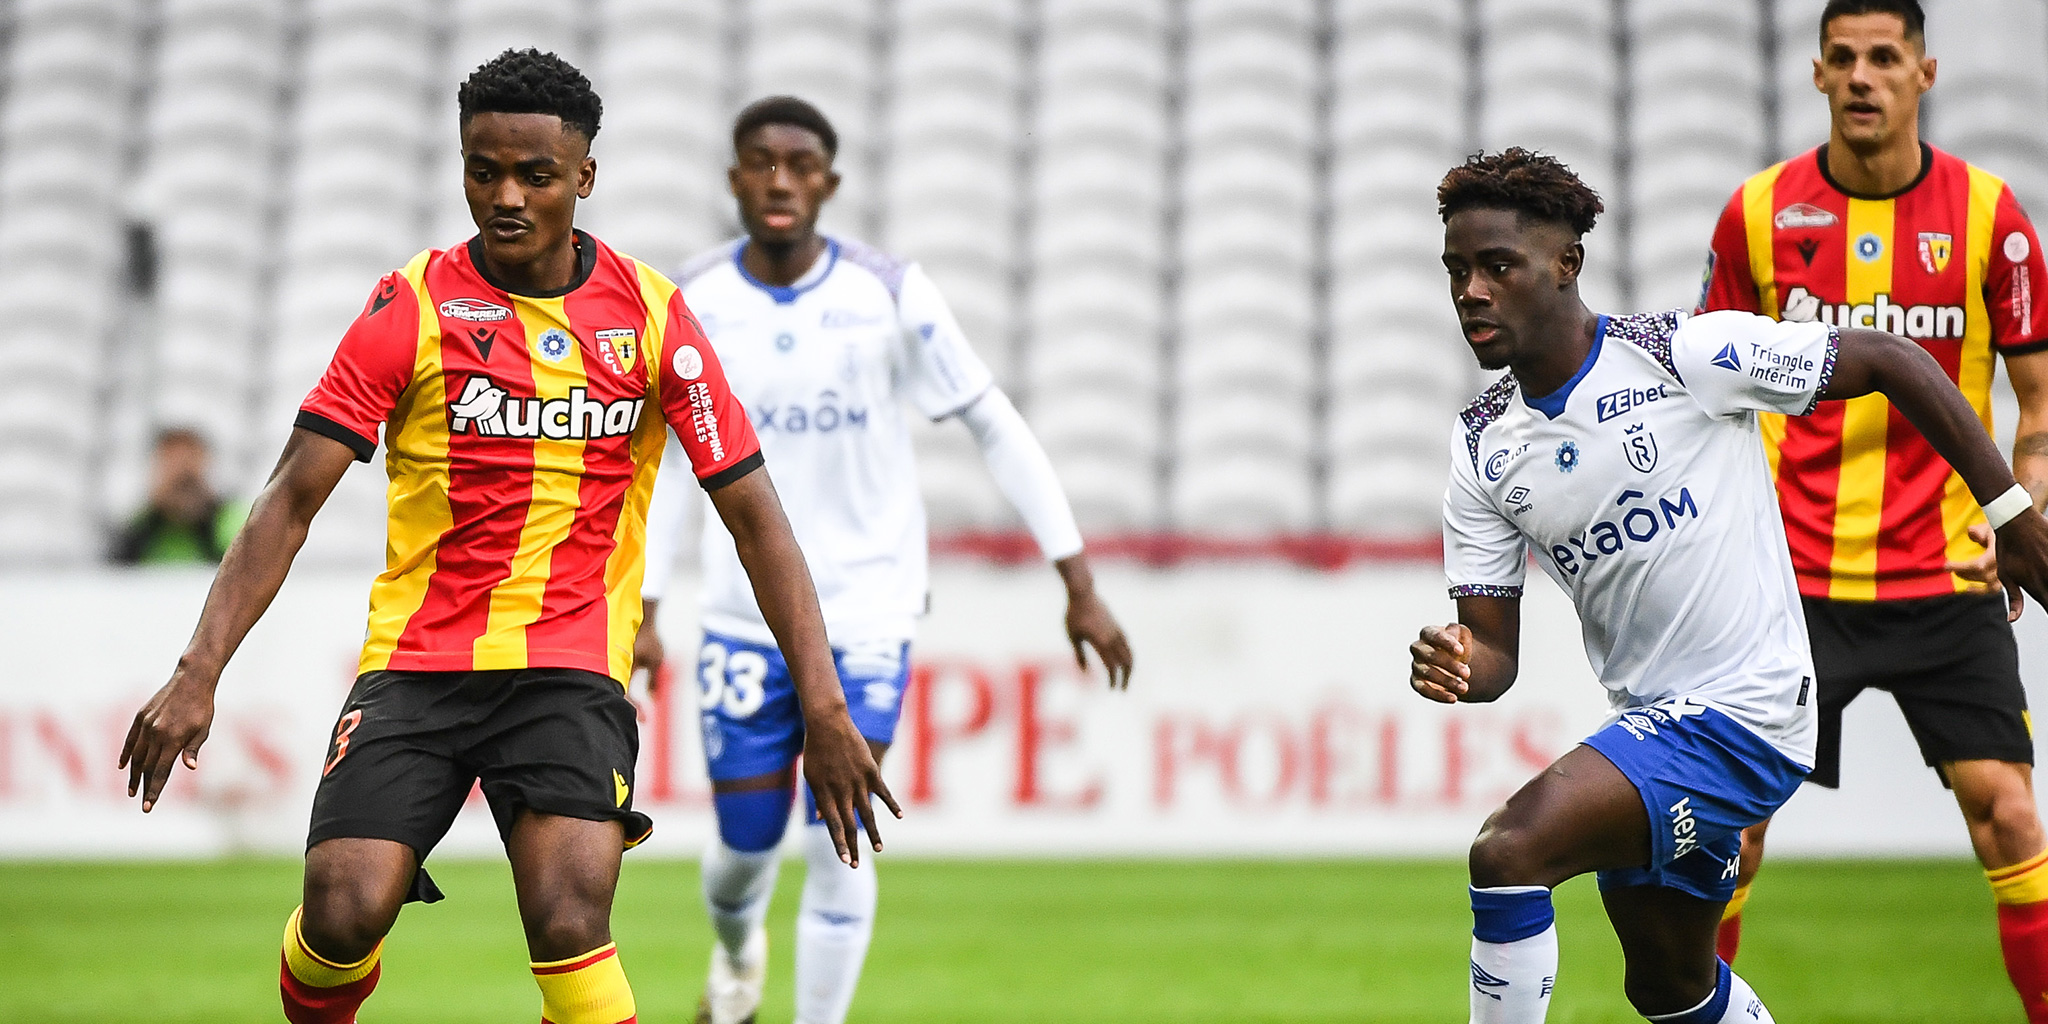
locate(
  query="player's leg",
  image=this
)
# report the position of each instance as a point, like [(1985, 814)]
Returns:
[(1667, 942), (555, 753), (565, 871), (1728, 938), (836, 918), (753, 731), (1582, 814), (389, 789), (1968, 712)]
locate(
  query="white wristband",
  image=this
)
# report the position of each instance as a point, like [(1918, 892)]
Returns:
[(2007, 507)]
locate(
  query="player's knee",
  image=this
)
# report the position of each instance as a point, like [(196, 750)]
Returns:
[(1506, 855), (344, 918), (567, 928)]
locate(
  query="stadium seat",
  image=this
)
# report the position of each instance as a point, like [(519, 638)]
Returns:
[(1128, 17), (1215, 357), (1274, 299), (1110, 492), (1241, 493), (1096, 422), (1399, 497), (1099, 358), (1131, 63), (1280, 63), (1248, 117), (695, 18)]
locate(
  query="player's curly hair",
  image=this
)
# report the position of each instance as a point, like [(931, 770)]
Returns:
[(530, 82), (1531, 184), (785, 110)]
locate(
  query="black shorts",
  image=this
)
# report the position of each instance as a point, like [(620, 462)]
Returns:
[(410, 745), (1951, 663)]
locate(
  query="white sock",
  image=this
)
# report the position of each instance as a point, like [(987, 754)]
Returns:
[(737, 886), (833, 926), (1731, 1002), (1514, 954)]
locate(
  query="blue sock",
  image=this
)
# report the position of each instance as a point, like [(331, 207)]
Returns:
[(753, 820), (1711, 1011)]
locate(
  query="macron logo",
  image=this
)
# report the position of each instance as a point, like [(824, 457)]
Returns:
[(1728, 360)]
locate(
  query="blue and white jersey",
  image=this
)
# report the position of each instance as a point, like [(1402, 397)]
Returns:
[(825, 368), (1641, 487)]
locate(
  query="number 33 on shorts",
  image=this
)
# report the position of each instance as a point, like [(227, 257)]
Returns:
[(731, 681)]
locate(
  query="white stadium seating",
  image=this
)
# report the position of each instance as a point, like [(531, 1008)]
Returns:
[(1196, 240)]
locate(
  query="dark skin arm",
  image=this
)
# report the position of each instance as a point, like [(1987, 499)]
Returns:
[(837, 763), (1089, 622), (2029, 376), (1472, 660), (1873, 362), (174, 723)]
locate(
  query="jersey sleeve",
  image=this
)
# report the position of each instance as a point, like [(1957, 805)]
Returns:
[(1484, 554), (1728, 282), (2019, 320), (945, 374), (371, 368), (698, 404), (1733, 363)]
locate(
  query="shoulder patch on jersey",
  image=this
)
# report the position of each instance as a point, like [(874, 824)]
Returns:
[(1484, 410), (697, 266), (884, 266), (1650, 332)]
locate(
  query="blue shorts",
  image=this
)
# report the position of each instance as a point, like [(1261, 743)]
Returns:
[(752, 722), (1704, 778)]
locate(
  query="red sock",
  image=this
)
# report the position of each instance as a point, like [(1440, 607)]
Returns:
[(2022, 894), (1729, 938), (319, 991)]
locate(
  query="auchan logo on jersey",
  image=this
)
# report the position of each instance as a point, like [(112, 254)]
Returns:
[(487, 409), (1881, 314)]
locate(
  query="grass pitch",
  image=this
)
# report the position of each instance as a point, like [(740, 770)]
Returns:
[(999, 942)]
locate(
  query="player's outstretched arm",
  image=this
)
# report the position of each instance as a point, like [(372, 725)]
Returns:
[(175, 721), (842, 773), (1874, 361), (1472, 660)]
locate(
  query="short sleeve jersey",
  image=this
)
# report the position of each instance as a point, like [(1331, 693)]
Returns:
[(1872, 512), (1641, 488), (830, 368), (521, 455)]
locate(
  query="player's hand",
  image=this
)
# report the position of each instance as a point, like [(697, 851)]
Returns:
[(170, 728), (649, 654), (1982, 571), (1089, 622), (845, 780), (1441, 668), (2022, 560)]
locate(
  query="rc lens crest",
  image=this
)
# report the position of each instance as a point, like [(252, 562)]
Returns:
[(1935, 249)]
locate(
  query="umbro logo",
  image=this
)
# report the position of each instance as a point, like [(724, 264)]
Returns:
[(1727, 359), (1483, 980)]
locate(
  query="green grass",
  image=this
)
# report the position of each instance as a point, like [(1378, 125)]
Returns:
[(998, 942)]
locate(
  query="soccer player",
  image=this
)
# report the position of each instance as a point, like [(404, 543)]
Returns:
[(826, 340), (1896, 576), (1625, 453), (523, 380)]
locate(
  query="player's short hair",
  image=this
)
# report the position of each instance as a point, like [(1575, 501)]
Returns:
[(530, 82), (1532, 184), (787, 110), (1908, 10)]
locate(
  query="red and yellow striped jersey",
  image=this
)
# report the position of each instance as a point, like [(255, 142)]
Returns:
[(1871, 511), (520, 461)]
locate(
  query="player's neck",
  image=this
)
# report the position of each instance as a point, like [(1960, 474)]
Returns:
[(1566, 344), (552, 272), (782, 263), (1886, 169)]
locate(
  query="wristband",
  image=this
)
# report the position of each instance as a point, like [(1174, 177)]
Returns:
[(2007, 507)]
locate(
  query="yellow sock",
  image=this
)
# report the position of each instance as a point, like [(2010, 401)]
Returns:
[(312, 969), (1735, 902), (2025, 882), (586, 989)]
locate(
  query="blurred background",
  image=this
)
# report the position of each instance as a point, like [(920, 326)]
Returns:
[(1196, 240)]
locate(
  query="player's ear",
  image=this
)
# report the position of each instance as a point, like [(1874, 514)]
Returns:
[(586, 177), (831, 187), (1926, 73), (1570, 262), (732, 179)]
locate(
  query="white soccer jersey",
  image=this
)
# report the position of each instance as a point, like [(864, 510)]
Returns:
[(1642, 489), (824, 367)]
